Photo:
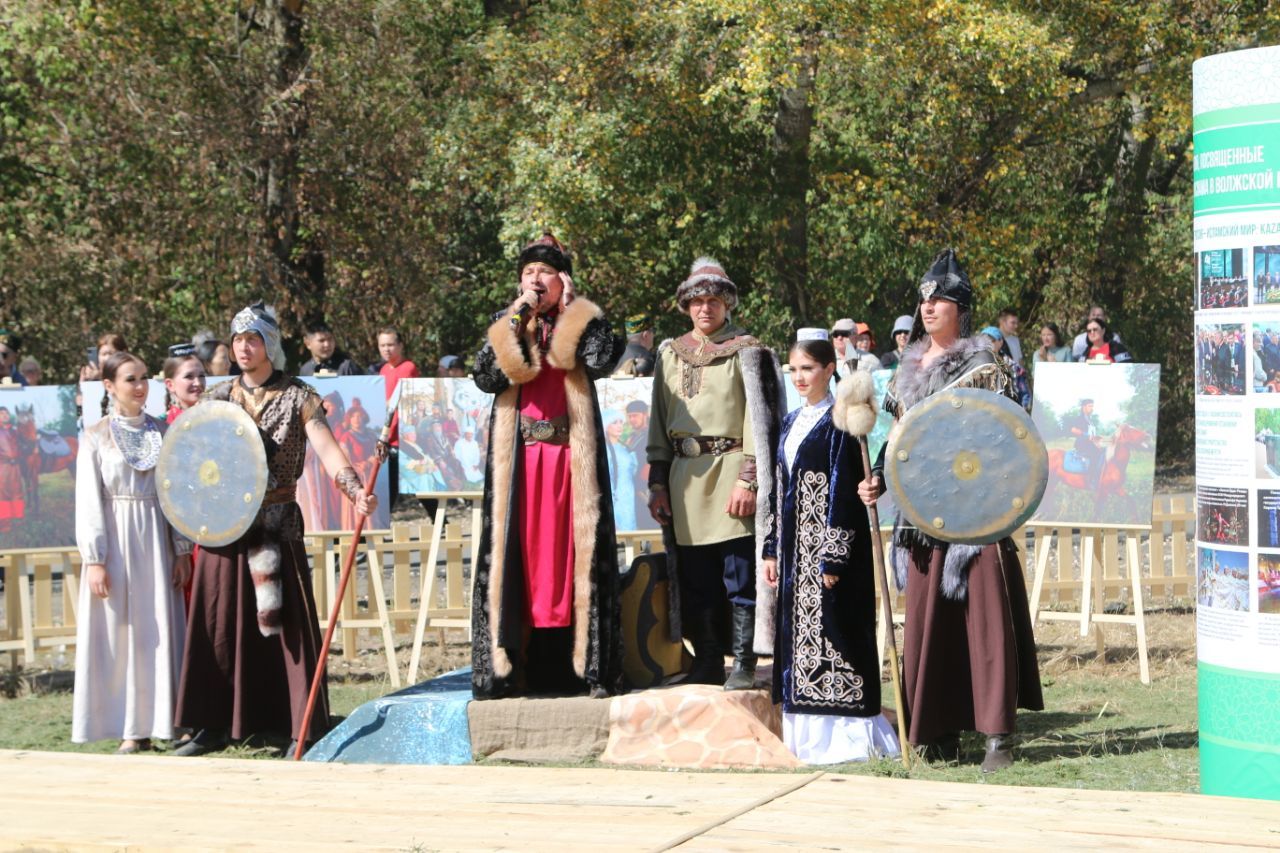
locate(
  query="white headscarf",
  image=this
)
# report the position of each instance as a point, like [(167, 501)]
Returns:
[(261, 319)]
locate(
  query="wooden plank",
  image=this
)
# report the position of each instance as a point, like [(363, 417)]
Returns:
[(402, 582), (145, 802), (1139, 611), (265, 805), (858, 812)]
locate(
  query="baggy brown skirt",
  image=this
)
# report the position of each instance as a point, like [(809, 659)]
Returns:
[(968, 665), (235, 679)]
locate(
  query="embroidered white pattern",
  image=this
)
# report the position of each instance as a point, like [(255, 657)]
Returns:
[(819, 674)]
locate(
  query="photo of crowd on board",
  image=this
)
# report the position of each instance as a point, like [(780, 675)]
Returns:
[(1220, 357), (1266, 275), (444, 436), (1222, 515), (624, 408), (1266, 436), (356, 408), (1268, 583), (1099, 425), (1221, 280), (1222, 579), (38, 444)]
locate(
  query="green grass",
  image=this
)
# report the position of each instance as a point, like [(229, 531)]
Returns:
[(39, 718), (1099, 732), (1102, 728)]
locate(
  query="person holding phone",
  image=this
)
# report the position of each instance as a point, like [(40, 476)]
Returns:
[(545, 608)]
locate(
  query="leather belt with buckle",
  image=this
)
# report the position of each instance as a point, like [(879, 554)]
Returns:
[(693, 446), (553, 431)]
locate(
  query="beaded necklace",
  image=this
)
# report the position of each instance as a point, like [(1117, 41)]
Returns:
[(138, 442)]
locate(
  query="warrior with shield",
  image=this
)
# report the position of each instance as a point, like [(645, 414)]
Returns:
[(253, 633), (970, 657)]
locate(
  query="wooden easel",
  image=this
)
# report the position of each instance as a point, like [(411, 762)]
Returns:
[(332, 544), (1099, 563), (457, 612)]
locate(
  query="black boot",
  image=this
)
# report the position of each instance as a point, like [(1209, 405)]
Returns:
[(743, 676), (708, 657)]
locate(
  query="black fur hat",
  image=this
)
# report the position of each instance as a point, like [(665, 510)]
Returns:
[(548, 250)]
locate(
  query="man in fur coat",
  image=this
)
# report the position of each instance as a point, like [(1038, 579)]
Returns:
[(713, 426), (545, 602), (969, 656)]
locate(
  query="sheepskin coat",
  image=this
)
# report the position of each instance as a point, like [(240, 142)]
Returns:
[(584, 346)]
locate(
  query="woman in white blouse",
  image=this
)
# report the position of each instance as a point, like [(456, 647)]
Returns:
[(131, 622)]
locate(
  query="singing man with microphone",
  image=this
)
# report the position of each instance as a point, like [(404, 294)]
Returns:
[(544, 607)]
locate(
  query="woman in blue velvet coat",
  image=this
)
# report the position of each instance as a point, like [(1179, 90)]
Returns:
[(826, 670)]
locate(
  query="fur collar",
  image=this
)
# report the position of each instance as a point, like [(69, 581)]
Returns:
[(518, 357), (913, 380)]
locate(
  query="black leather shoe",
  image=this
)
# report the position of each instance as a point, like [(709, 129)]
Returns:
[(998, 755), (205, 741)]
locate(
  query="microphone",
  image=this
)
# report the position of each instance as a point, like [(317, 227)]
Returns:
[(518, 315)]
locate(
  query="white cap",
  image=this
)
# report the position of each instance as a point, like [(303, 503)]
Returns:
[(812, 335)]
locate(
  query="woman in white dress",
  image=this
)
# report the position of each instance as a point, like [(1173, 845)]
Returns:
[(131, 622), (826, 670)]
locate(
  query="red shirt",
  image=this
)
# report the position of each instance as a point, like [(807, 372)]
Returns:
[(393, 374)]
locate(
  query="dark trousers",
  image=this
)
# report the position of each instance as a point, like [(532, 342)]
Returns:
[(710, 572)]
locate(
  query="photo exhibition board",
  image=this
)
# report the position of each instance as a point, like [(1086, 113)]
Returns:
[(1236, 269)]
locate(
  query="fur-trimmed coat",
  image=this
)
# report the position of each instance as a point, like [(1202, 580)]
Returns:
[(967, 363), (583, 345)]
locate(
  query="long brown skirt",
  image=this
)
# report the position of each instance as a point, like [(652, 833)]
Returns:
[(235, 679), (968, 665)]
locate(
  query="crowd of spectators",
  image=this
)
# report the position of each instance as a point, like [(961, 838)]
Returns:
[(854, 342)]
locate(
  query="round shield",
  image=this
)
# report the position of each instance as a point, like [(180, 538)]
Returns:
[(966, 465), (212, 473)]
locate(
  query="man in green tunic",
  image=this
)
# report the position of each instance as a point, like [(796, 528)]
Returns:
[(713, 426)]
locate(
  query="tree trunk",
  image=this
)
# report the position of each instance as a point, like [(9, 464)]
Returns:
[(792, 129), (292, 271)]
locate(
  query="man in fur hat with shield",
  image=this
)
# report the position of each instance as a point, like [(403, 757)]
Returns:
[(714, 422), (253, 635), (544, 610), (970, 656)]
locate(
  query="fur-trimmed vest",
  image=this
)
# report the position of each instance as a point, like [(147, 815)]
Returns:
[(583, 345), (967, 363)]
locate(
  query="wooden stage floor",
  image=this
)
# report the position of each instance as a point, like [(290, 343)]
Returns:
[(56, 801)]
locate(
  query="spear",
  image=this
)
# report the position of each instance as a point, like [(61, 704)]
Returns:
[(858, 411), (348, 562)]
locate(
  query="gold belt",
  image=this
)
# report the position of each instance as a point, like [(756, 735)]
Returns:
[(553, 431)]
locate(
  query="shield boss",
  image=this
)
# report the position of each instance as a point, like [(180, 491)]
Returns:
[(212, 473), (966, 466)]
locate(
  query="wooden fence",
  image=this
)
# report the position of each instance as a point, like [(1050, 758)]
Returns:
[(37, 624)]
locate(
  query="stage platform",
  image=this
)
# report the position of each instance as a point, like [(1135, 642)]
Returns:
[(56, 801), (691, 727)]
